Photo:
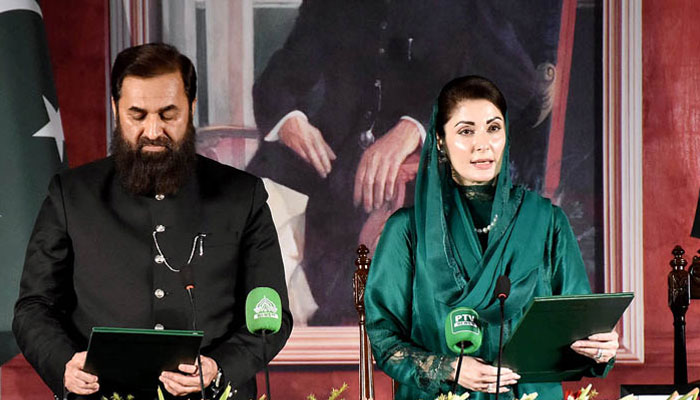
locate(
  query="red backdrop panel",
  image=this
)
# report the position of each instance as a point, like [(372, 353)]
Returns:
[(671, 123), (78, 37)]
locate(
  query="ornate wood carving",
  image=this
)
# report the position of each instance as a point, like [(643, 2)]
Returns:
[(679, 301), (358, 285), (694, 273)]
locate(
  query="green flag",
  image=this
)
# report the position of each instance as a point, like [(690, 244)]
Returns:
[(31, 144)]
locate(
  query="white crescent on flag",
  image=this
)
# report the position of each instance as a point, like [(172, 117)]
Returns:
[(11, 5)]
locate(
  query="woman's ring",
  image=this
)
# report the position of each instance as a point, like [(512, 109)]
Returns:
[(490, 387), (598, 355)]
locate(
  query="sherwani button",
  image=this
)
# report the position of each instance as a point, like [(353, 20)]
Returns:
[(159, 327), (160, 197), (159, 259), (159, 293), (160, 228)]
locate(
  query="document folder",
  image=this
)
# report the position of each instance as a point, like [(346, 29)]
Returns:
[(132, 359), (539, 348)]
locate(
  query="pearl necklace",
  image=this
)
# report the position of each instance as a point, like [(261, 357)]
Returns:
[(488, 227)]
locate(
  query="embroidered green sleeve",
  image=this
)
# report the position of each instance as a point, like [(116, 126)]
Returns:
[(429, 372)]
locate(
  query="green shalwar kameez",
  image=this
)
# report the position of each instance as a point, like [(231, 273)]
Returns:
[(430, 260)]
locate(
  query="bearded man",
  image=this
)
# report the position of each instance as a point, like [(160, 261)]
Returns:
[(112, 235)]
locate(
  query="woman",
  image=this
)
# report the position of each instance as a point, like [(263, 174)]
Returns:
[(469, 225)]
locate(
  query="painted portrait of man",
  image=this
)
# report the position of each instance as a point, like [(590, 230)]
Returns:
[(346, 101), (329, 101)]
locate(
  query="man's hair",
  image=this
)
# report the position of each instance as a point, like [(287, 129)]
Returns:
[(151, 60), (469, 87)]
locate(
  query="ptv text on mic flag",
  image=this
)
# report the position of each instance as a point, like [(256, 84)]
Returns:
[(31, 144)]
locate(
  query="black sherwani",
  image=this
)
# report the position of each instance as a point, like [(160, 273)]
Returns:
[(91, 262), (355, 65)]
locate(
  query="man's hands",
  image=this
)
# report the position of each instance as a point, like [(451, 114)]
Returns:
[(375, 179), (80, 382), (76, 380), (307, 141), (179, 384)]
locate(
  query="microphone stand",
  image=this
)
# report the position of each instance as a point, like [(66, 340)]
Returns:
[(459, 367), (267, 371), (190, 292), (502, 300)]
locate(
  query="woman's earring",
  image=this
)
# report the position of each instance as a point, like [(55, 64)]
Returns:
[(442, 156)]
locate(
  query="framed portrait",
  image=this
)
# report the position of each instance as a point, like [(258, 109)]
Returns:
[(342, 75)]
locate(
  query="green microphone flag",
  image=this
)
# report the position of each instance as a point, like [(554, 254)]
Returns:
[(263, 309), (462, 326)]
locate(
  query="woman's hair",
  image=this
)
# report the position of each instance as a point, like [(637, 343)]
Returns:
[(469, 87)]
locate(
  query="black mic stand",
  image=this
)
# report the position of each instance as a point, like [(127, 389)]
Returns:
[(502, 292), (267, 371), (187, 277), (459, 367), (190, 293), (502, 300)]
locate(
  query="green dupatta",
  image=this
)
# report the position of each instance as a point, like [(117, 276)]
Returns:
[(429, 261)]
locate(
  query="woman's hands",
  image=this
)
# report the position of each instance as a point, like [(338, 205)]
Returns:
[(601, 347), (481, 377)]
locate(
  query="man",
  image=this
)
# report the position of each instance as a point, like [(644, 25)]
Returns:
[(347, 98), (112, 235)]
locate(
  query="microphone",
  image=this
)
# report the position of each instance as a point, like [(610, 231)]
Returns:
[(187, 279), (502, 288), (262, 314), (501, 293), (463, 335)]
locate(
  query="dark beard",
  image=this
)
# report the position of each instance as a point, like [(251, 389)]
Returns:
[(150, 173)]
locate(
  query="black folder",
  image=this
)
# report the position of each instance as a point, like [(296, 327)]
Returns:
[(539, 348), (132, 359)]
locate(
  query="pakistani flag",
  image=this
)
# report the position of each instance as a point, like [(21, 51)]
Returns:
[(31, 144)]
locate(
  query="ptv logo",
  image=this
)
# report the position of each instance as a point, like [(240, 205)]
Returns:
[(464, 320), (265, 309)]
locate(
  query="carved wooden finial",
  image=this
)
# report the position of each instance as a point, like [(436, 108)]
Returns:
[(678, 262), (678, 283), (362, 261), (695, 266), (360, 280), (694, 272)]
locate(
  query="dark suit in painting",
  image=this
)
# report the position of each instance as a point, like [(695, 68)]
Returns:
[(91, 262), (695, 232), (352, 66)]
